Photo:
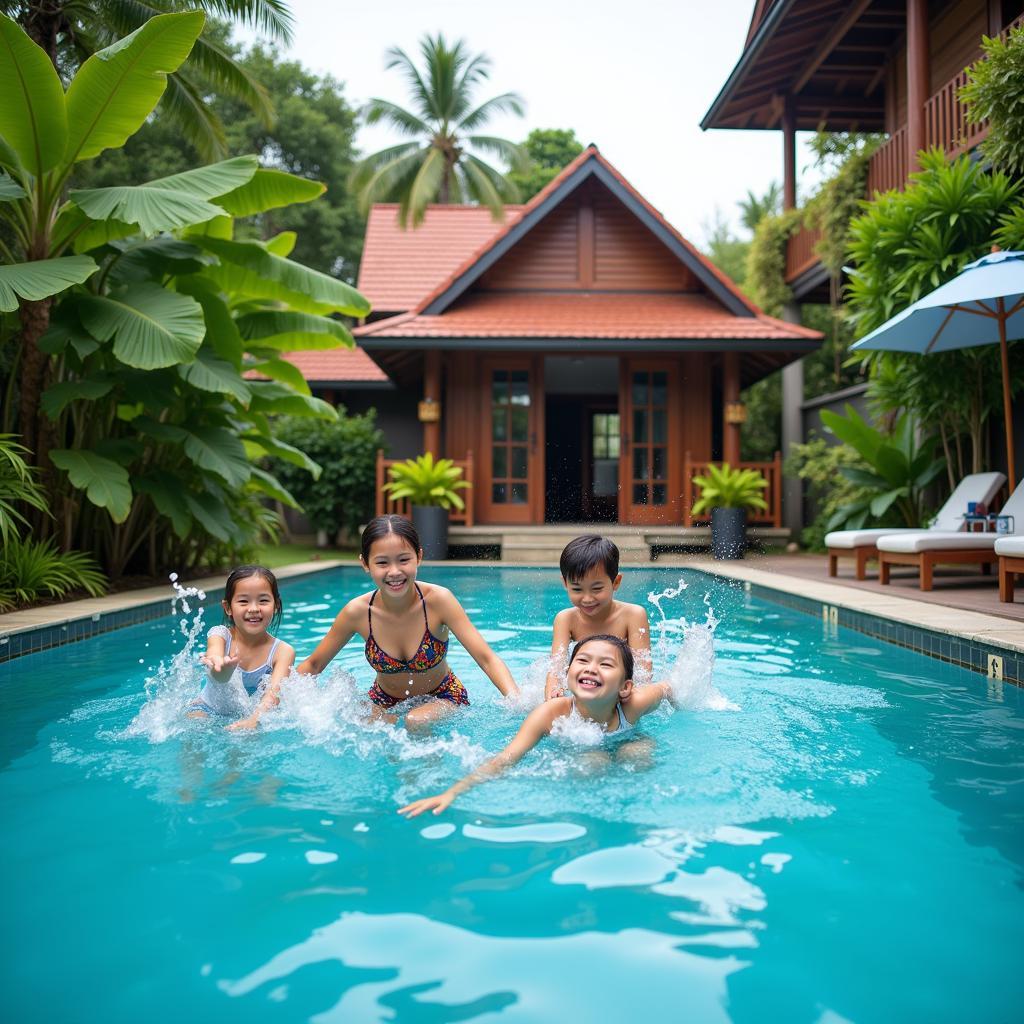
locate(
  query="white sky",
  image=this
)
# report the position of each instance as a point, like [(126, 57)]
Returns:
[(635, 78)]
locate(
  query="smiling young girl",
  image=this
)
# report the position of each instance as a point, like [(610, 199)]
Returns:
[(406, 625), (600, 680), (242, 659)]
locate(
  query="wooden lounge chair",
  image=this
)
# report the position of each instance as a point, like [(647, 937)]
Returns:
[(929, 548), (860, 544), (1011, 563)]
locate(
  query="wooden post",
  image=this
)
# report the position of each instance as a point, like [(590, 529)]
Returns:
[(777, 491), (730, 394), (917, 78), (432, 392), (687, 491), (470, 494), (380, 482), (788, 155)]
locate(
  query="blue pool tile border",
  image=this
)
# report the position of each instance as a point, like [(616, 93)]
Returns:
[(956, 650), (69, 631)]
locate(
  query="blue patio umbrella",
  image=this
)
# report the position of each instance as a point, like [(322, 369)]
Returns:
[(982, 305)]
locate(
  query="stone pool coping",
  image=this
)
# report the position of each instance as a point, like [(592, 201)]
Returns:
[(966, 638), (53, 625)]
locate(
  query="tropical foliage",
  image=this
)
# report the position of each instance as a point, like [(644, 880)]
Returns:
[(725, 487), (906, 244), (899, 469), (766, 260), (995, 93), (145, 320), (426, 481), (548, 151), (70, 32), (443, 128), (18, 487), (342, 497)]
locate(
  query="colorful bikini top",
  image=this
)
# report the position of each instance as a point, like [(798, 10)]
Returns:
[(431, 651)]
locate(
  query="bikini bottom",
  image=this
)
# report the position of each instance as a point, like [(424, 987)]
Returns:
[(449, 689)]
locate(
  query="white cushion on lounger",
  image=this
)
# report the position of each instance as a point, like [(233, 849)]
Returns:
[(857, 538), (1012, 546), (974, 487), (936, 540)]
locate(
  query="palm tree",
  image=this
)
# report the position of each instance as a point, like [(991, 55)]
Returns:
[(70, 31), (754, 209), (436, 165)]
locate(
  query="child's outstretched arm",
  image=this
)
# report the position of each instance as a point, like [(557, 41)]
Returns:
[(645, 699), (342, 630), (560, 640), (219, 667), (536, 725), (468, 635), (284, 658)]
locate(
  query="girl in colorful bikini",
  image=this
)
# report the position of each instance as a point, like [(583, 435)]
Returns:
[(406, 625), (252, 607)]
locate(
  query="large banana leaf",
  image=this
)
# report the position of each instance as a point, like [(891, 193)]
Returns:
[(270, 397), (272, 487), (259, 445), (151, 326), (283, 371), (166, 491), (249, 269), (40, 279), (293, 332), (10, 189), (268, 190), (164, 204), (219, 451), (105, 482), (33, 116), (116, 89), (212, 513), (221, 329), (56, 397), (208, 373)]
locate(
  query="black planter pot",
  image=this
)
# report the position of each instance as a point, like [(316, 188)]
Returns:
[(431, 524), (728, 532)]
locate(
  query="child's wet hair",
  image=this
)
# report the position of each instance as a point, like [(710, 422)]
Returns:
[(581, 555), (624, 652), (381, 526), (244, 572)]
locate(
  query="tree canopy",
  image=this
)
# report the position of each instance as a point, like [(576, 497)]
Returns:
[(548, 151)]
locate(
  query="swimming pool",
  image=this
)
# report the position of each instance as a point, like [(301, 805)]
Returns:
[(846, 846)]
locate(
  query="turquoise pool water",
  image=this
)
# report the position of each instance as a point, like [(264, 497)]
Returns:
[(845, 845)]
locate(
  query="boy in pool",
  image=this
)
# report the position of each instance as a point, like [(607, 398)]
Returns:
[(590, 575), (600, 681)]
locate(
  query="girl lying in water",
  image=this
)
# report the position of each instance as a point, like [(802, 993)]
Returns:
[(405, 625), (600, 682)]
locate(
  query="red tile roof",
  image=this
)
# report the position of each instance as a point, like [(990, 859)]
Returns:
[(399, 267), (583, 315), (333, 365)]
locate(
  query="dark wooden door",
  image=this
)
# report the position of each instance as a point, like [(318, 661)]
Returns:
[(649, 469), (512, 429)]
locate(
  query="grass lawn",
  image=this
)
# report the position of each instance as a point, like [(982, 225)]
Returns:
[(276, 555)]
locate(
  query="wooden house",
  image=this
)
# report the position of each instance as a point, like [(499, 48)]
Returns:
[(581, 359)]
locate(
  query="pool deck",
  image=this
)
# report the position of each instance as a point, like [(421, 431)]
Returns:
[(965, 606)]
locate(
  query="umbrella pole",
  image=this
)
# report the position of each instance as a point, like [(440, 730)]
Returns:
[(1007, 406)]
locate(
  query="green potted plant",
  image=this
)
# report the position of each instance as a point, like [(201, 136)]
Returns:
[(729, 493), (432, 487)]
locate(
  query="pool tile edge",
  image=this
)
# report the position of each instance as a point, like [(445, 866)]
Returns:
[(964, 638), (38, 629)]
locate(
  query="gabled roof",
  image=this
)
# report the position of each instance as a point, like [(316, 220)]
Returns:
[(589, 164), (336, 366), (400, 267)]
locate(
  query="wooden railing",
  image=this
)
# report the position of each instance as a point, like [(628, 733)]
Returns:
[(888, 167), (800, 252), (771, 471), (385, 503)]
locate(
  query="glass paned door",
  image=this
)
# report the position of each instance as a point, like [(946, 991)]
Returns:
[(650, 439), (511, 431)]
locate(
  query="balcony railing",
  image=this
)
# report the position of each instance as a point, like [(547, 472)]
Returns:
[(771, 471), (387, 504), (946, 126)]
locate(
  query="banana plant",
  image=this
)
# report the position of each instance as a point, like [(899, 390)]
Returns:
[(162, 338), (900, 468)]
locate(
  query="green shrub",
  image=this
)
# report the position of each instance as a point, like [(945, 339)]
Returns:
[(18, 486), (32, 570), (995, 93), (343, 495), (428, 482), (725, 487), (766, 261)]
